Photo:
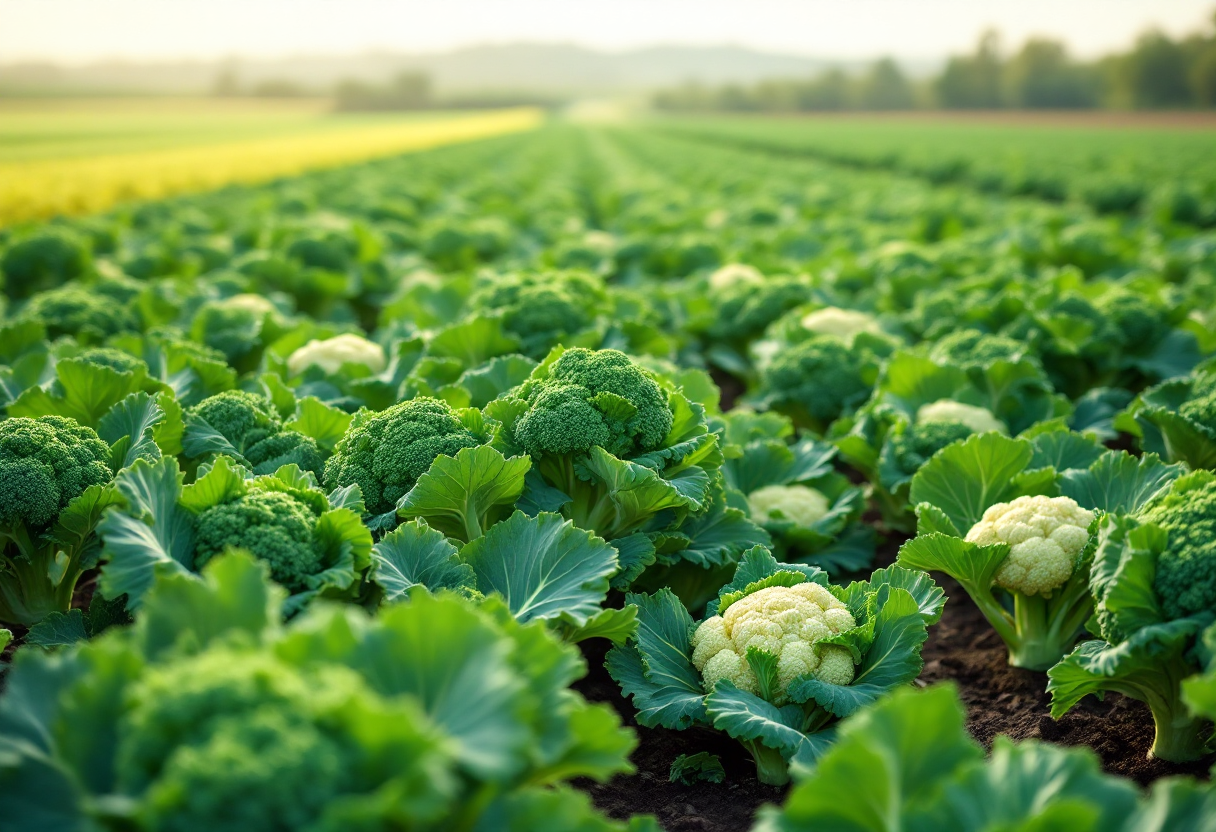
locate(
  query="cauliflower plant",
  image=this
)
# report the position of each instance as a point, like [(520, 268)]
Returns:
[(799, 503), (332, 353), (845, 324), (979, 419), (784, 621), (1045, 534)]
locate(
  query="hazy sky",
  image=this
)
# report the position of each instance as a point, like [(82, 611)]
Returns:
[(81, 30)]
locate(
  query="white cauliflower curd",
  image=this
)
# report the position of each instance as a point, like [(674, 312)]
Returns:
[(979, 419), (734, 273), (256, 304), (845, 324), (332, 353), (1045, 535), (784, 621), (798, 503)]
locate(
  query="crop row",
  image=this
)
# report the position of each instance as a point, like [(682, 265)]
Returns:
[(309, 491)]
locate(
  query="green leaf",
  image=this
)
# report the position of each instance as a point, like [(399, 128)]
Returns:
[(720, 534), (633, 553), (893, 658), (1122, 575), (615, 625), (58, 629), (495, 377), (1031, 780), (560, 809), (152, 534), (455, 663), (183, 611), (88, 392), (930, 598), (968, 563), (322, 422), (690, 768), (964, 479), (1064, 450), (1119, 483), (473, 341), (756, 565), (1185, 440), (658, 673), (886, 762), (133, 420), (1175, 805), (543, 567), (414, 554), (748, 717), (465, 495)]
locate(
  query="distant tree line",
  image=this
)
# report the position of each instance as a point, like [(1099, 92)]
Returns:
[(1158, 72)]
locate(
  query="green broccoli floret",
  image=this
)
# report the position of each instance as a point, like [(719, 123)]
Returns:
[(274, 526), (80, 312), (916, 445), (252, 426), (1137, 323), (590, 398), (44, 464), (43, 262), (1186, 570), (745, 309), (1201, 410), (116, 360), (540, 309), (820, 378), (387, 452), (967, 348)]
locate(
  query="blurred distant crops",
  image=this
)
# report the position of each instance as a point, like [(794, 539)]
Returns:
[(73, 157)]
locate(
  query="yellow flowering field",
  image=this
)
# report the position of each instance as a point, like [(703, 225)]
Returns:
[(74, 160)]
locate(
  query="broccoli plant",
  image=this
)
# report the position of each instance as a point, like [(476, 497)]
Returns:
[(54, 486), (1013, 521), (209, 715), (247, 428), (908, 762), (782, 656), (85, 313), (1153, 584), (240, 327), (42, 261), (1177, 419), (386, 453), (314, 544), (816, 381), (546, 309), (617, 449)]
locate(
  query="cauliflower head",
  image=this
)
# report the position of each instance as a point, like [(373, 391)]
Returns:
[(1045, 535), (785, 621), (332, 353), (978, 419), (733, 274), (44, 464), (845, 324), (799, 503)]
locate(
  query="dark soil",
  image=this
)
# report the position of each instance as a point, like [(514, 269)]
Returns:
[(962, 649)]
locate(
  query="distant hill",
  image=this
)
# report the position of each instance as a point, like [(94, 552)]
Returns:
[(555, 69)]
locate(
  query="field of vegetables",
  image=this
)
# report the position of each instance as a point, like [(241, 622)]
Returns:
[(678, 474)]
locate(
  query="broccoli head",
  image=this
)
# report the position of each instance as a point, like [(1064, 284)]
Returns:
[(1186, 570), (250, 423), (44, 464), (1137, 322), (117, 360), (540, 309), (593, 398), (274, 526), (1201, 410), (821, 376), (968, 348), (917, 445), (387, 452), (78, 311), (43, 262)]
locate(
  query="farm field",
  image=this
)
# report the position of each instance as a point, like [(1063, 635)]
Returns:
[(79, 156), (656, 474)]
